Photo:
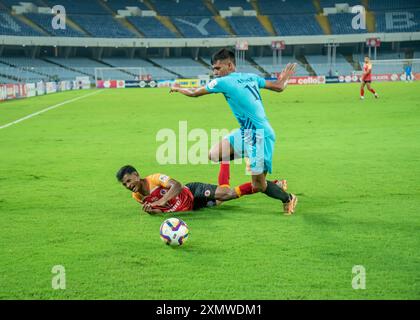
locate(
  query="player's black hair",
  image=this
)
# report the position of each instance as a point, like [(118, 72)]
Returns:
[(223, 54), (125, 170)]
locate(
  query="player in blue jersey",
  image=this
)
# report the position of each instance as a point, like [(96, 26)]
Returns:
[(255, 138)]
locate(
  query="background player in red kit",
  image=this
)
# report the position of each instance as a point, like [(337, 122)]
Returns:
[(367, 78)]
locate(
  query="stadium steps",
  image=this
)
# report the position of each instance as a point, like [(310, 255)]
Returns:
[(126, 24), (267, 25), (166, 21), (163, 68), (75, 26), (23, 68), (222, 22), (106, 7), (225, 25), (66, 67), (324, 23), (355, 64), (106, 64), (317, 5), (258, 67), (33, 25), (209, 4), (264, 20), (370, 21), (306, 65)]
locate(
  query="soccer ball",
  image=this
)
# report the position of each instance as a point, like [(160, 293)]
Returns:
[(174, 232)]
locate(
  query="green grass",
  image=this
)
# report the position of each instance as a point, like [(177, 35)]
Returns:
[(354, 164)]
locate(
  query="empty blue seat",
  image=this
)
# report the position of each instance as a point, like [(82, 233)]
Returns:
[(247, 26), (199, 27), (292, 25), (382, 5), (80, 6), (181, 8), (14, 27), (225, 4), (151, 27), (341, 23), (274, 7), (45, 22), (102, 26), (116, 5), (398, 21)]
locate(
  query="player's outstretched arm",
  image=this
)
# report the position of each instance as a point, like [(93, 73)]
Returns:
[(281, 83), (194, 93)]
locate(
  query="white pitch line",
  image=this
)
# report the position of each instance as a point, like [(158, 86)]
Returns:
[(49, 108)]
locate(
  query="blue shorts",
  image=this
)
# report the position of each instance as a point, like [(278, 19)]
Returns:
[(254, 145)]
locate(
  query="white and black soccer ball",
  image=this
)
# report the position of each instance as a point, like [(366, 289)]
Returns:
[(174, 232)]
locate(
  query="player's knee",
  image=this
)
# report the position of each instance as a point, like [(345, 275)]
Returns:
[(213, 157), (258, 187), (225, 194)]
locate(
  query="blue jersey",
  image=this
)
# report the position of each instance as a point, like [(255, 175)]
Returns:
[(408, 70), (242, 93)]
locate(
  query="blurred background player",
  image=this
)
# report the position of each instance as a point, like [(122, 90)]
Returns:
[(367, 79), (255, 138), (160, 193), (408, 73)]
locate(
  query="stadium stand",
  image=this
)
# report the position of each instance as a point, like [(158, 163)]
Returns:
[(198, 27), (85, 66), (398, 21), (41, 67), (10, 25), (276, 7), (180, 8), (247, 26), (293, 25), (332, 3), (267, 64), (116, 5), (104, 26), (319, 64), (226, 4), (341, 23), (44, 21), (383, 5), (183, 66), (151, 27), (147, 67), (90, 7)]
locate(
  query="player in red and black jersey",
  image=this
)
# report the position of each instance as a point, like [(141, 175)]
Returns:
[(367, 79), (160, 193)]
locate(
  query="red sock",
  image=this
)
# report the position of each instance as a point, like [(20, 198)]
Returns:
[(224, 174), (244, 189), (362, 92), (373, 91)]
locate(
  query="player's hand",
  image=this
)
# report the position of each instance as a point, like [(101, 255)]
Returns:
[(288, 71), (158, 203), (147, 207)]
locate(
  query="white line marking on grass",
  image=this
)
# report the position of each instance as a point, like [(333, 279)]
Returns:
[(49, 108)]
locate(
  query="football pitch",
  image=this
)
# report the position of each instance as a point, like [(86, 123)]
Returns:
[(355, 166)]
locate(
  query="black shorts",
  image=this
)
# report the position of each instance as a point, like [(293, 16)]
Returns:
[(367, 81), (204, 194)]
